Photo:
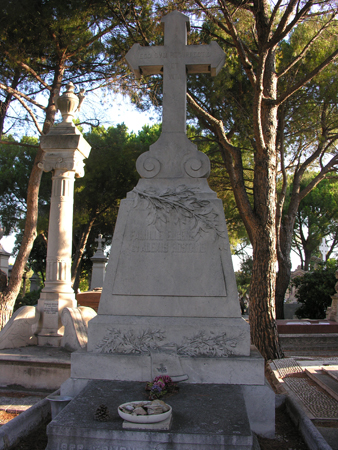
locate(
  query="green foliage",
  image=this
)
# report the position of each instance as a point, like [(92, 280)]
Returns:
[(314, 290), (16, 163), (243, 276), (29, 299), (38, 256), (317, 218)]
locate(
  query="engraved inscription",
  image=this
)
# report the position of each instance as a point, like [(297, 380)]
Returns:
[(159, 54), (50, 307), (165, 242)]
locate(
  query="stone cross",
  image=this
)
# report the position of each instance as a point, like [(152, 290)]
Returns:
[(175, 59), (323, 248), (99, 241)]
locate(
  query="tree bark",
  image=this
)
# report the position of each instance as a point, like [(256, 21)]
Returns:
[(261, 312), (282, 284), (8, 296)]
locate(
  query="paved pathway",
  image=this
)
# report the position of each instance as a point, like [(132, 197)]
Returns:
[(303, 377)]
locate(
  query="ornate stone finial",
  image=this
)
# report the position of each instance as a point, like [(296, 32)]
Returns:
[(69, 102)]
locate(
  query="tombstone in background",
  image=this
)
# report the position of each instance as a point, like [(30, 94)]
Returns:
[(99, 265), (65, 149), (332, 311), (169, 304), (4, 256), (35, 282)]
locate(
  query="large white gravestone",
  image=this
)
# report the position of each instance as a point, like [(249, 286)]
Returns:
[(169, 303)]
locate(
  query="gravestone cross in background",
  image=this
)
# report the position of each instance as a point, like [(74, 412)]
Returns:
[(175, 59), (323, 248), (99, 241)]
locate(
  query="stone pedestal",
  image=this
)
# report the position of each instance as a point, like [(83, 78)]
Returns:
[(99, 266)]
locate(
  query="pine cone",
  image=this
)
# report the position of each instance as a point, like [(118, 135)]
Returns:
[(102, 413)]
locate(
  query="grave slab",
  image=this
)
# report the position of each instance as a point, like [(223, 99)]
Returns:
[(204, 417)]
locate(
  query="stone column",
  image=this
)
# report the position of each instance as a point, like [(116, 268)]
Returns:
[(65, 149)]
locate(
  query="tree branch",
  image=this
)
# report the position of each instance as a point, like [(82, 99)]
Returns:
[(17, 94), (305, 49), (30, 112), (305, 80), (18, 143)]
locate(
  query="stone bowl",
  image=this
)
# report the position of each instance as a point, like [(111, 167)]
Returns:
[(153, 418)]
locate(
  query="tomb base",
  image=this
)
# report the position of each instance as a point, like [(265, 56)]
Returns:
[(241, 370), (204, 417)]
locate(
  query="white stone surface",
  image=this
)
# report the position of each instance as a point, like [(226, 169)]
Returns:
[(34, 367), (163, 425), (244, 370), (174, 59), (75, 322), (260, 406), (19, 330), (191, 335)]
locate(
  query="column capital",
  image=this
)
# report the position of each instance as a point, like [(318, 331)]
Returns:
[(65, 149)]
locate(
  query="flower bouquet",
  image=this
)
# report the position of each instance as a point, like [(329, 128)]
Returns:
[(161, 386)]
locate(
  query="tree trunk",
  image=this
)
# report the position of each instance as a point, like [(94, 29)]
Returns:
[(262, 290), (76, 266), (283, 256), (282, 284), (8, 297)]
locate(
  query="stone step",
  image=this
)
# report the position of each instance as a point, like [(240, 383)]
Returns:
[(34, 367), (321, 344), (324, 380), (332, 372)]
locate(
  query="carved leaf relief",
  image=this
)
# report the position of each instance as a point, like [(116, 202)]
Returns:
[(181, 206), (201, 344)]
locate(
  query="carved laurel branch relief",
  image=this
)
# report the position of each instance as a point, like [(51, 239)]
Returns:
[(201, 344), (181, 205)]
